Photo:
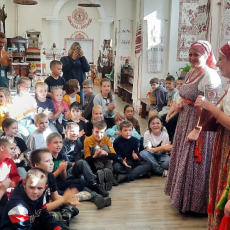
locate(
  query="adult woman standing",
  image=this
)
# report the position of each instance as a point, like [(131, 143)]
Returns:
[(75, 65), (221, 154), (188, 179)]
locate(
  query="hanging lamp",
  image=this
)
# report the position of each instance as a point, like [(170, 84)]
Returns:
[(89, 4), (26, 2)]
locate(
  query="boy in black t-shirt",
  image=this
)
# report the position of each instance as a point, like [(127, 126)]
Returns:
[(61, 207), (55, 80)]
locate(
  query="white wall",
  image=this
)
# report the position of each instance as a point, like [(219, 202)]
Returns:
[(162, 11), (124, 9)]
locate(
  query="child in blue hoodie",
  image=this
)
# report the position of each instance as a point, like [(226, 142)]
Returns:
[(115, 131), (26, 208)]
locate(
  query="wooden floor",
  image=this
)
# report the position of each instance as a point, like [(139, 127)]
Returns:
[(139, 205)]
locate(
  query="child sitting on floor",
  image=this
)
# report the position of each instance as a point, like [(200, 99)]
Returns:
[(27, 208), (106, 100), (3, 196), (61, 107), (127, 147), (99, 152), (156, 142), (115, 132), (159, 94), (88, 98), (5, 101), (45, 105), (76, 111), (62, 207), (24, 107), (75, 169), (97, 115), (8, 168), (37, 139), (55, 80), (129, 113), (10, 129), (9, 176), (72, 87)]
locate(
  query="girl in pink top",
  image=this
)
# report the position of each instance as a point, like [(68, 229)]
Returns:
[(59, 105)]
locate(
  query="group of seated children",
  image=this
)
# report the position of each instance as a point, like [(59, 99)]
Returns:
[(73, 152), (165, 100)]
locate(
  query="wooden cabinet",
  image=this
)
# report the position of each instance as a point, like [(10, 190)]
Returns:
[(21, 69), (18, 47)]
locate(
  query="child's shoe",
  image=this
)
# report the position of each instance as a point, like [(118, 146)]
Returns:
[(83, 196), (108, 179), (114, 181), (121, 178), (101, 178), (165, 173), (101, 202), (98, 189), (107, 201)]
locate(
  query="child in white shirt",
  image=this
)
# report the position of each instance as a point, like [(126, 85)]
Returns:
[(157, 146)]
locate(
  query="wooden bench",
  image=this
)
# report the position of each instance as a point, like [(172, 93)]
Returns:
[(144, 103), (125, 91)]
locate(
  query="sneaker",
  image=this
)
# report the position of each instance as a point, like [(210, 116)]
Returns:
[(101, 178), (108, 179), (147, 175), (114, 181), (121, 178), (107, 201), (83, 196), (66, 228), (99, 202), (165, 173), (75, 212), (98, 189)]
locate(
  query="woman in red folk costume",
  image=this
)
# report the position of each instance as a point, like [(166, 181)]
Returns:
[(219, 204), (188, 178)]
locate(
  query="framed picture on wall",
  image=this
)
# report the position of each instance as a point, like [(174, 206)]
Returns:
[(87, 46)]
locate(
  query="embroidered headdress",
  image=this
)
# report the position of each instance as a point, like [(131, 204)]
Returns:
[(205, 48)]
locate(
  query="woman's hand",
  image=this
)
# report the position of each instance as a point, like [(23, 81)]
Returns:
[(80, 53), (75, 55), (227, 209), (193, 136), (202, 102)]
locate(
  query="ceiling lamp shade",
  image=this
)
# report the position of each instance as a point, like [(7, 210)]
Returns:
[(25, 2)]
